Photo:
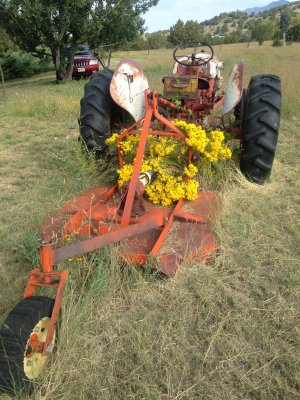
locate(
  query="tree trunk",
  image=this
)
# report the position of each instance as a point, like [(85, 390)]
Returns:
[(109, 58), (63, 63), (2, 79), (283, 39), (56, 61), (69, 67)]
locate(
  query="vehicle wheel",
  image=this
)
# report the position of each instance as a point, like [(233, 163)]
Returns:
[(19, 365), (260, 127), (99, 114)]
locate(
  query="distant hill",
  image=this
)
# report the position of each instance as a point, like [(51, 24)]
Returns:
[(241, 22), (237, 26), (274, 4)]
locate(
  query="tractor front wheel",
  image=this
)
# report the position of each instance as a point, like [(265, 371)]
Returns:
[(260, 127), (19, 364)]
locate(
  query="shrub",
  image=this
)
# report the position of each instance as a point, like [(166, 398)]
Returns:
[(277, 42), (22, 65)]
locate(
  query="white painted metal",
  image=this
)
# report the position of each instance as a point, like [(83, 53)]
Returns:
[(210, 70), (128, 87), (234, 88)]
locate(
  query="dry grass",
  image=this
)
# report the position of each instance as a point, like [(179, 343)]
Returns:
[(229, 330)]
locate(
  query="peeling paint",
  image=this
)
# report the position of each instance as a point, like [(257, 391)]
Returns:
[(128, 86)]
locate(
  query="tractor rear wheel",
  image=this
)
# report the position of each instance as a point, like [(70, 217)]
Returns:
[(260, 127), (19, 365), (99, 114)]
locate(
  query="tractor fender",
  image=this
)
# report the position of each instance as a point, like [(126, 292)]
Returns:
[(233, 92), (128, 87)]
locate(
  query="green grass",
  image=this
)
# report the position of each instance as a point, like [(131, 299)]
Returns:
[(227, 330)]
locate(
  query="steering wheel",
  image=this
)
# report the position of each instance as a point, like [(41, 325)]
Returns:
[(195, 61)]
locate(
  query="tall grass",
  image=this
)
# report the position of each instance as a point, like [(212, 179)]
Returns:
[(227, 330), (49, 100)]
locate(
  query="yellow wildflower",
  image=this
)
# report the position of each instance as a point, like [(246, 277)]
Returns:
[(190, 171), (167, 158), (112, 140), (125, 174)]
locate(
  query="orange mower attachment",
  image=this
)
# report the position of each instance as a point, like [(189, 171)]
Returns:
[(99, 217)]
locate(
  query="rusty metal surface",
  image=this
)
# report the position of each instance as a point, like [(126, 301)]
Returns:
[(196, 245), (98, 242), (51, 228), (171, 234), (234, 88), (128, 86), (137, 168), (187, 235), (55, 280)]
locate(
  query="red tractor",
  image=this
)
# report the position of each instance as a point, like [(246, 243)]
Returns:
[(146, 232), (191, 92)]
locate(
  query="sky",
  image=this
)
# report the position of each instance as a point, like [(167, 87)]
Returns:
[(168, 12)]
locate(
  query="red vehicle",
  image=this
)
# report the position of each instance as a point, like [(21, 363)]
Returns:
[(85, 64)]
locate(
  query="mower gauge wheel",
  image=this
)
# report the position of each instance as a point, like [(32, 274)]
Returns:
[(19, 363), (198, 49)]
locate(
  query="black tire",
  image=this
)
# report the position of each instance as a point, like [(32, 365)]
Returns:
[(260, 127), (99, 114), (239, 110), (14, 335)]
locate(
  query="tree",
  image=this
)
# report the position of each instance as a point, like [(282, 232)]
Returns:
[(293, 33), (193, 31), (5, 42), (60, 25), (284, 24), (241, 24), (177, 33), (157, 40), (224, 28), (263, 30), (139, 43)]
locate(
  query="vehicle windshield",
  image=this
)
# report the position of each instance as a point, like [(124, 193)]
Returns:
[(83, 53)]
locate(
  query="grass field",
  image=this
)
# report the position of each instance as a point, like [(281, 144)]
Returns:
[(227, 330)]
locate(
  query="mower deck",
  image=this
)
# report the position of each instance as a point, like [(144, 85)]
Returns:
[(171, 234)]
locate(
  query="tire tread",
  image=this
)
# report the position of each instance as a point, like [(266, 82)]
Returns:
[(260, 126)]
